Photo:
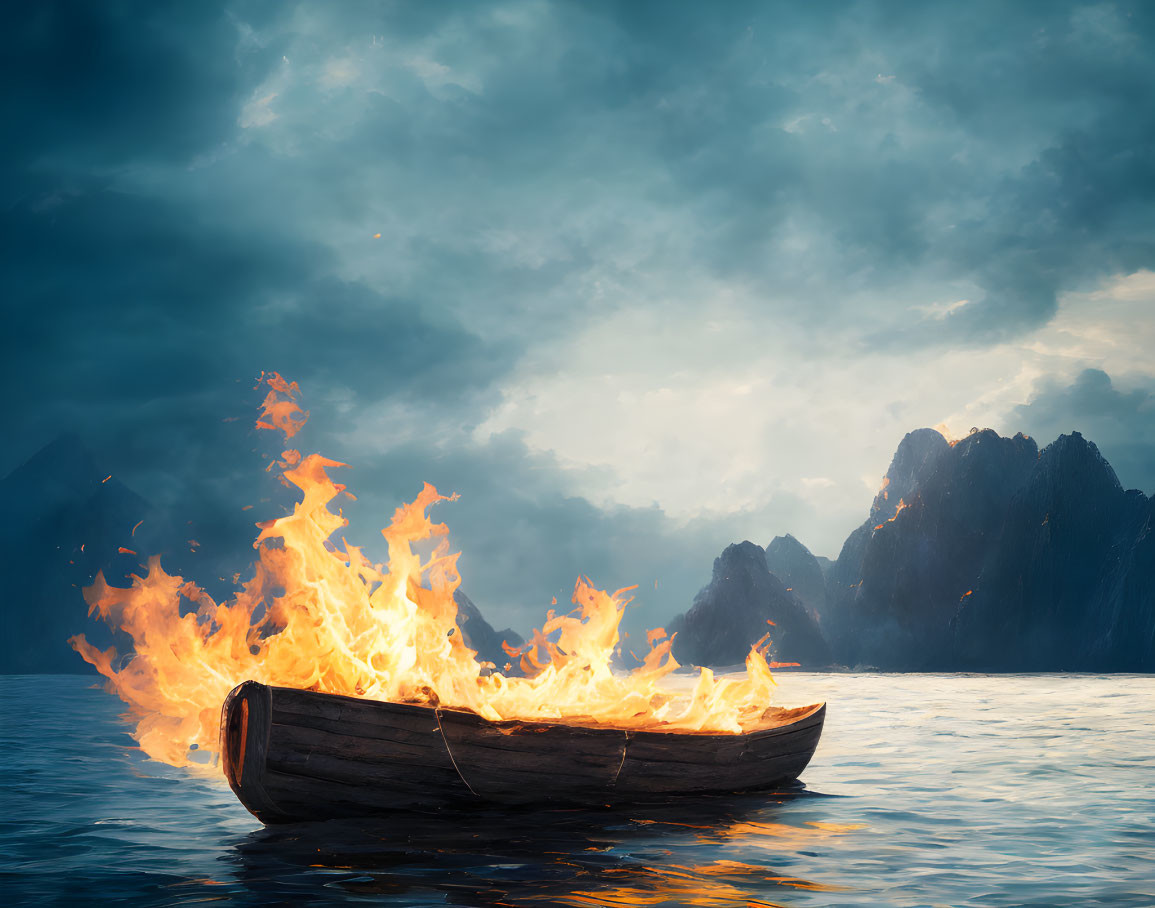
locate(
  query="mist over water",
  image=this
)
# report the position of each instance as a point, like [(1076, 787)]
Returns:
[(925, 790)]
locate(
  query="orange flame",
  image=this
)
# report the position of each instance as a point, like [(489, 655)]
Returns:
[(898, 510), (280, 410), (321, 616), (944, 430)]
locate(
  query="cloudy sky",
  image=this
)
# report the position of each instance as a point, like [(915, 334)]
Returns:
[(637, 280)]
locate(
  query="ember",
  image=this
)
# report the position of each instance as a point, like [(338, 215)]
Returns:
[(322, 617)]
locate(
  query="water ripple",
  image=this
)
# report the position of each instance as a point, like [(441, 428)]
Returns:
[(926, 790)]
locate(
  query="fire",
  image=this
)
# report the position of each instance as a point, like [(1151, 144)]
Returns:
[(897, 511), (321, 616), (280, 410), (944, 430)]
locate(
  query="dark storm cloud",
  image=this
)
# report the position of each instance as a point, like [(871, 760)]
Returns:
[(142, 331), (125, 301), (1010, 148), (188, 193), (1006, 150), (108, 83), (1120, 422), (524, 540)]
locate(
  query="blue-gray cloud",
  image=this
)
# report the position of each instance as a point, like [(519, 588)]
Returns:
[(189, 194), (1121, 422)]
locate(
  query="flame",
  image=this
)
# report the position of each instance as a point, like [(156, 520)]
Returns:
[(943, 430), (319, 615), (897, 511), (279, 409)]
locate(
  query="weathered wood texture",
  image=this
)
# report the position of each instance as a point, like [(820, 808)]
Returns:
[(292, 755)]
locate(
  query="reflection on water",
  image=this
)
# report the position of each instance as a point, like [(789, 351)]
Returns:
[(648, 856), (926, 790)]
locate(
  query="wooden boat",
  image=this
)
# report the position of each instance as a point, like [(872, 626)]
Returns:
[(300, 755)]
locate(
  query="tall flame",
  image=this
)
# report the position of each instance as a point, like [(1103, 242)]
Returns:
[(321, 616)]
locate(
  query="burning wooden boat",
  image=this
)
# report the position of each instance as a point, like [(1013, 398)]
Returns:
[(299, 755)]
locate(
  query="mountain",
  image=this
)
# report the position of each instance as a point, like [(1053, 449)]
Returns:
[(1001, 558), (479, 634), (918, 557), (742, 602), (1070, 584), (791, 562), (67, 519), (984, 554)]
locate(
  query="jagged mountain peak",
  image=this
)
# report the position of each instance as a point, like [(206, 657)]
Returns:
[(739, 553), (1005, 558), (743, 601), (795, 565), (63, 467), (479, 634), (1073, 454), (913, 463), (787, 544)]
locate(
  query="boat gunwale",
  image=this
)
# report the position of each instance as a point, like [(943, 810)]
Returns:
[(800, 717)]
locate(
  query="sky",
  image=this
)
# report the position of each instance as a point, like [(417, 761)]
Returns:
[(637, 280)]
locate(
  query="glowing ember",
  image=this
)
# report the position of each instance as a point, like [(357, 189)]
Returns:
[(897, 511), (280, 410), (321, 616), (943, 430)]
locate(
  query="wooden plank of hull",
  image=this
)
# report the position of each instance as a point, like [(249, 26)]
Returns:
[(291, 754), (246, 719), (300, 797), (664, 762), (523, 762)]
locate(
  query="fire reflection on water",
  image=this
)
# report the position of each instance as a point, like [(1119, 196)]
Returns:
[(558, 857), (967, 786)]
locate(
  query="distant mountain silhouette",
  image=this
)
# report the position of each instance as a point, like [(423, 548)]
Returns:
[(742, 602), (479, 634), (916, 564), (1070, 583), (984, 555), (791, 562), (66, 520)]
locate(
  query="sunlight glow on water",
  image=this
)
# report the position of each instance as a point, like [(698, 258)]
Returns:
[(925, 790)]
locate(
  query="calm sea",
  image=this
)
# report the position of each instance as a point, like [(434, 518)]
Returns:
[(926, 790)]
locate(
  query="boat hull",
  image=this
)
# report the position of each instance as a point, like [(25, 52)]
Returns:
[(293, 755)]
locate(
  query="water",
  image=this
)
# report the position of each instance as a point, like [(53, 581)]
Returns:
[(926, 790)]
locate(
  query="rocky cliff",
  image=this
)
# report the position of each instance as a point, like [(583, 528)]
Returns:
[(481, 637), (792, 563), (1069, 583), (1002, 558), (985, 555), (742, 602), (912, 568)]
